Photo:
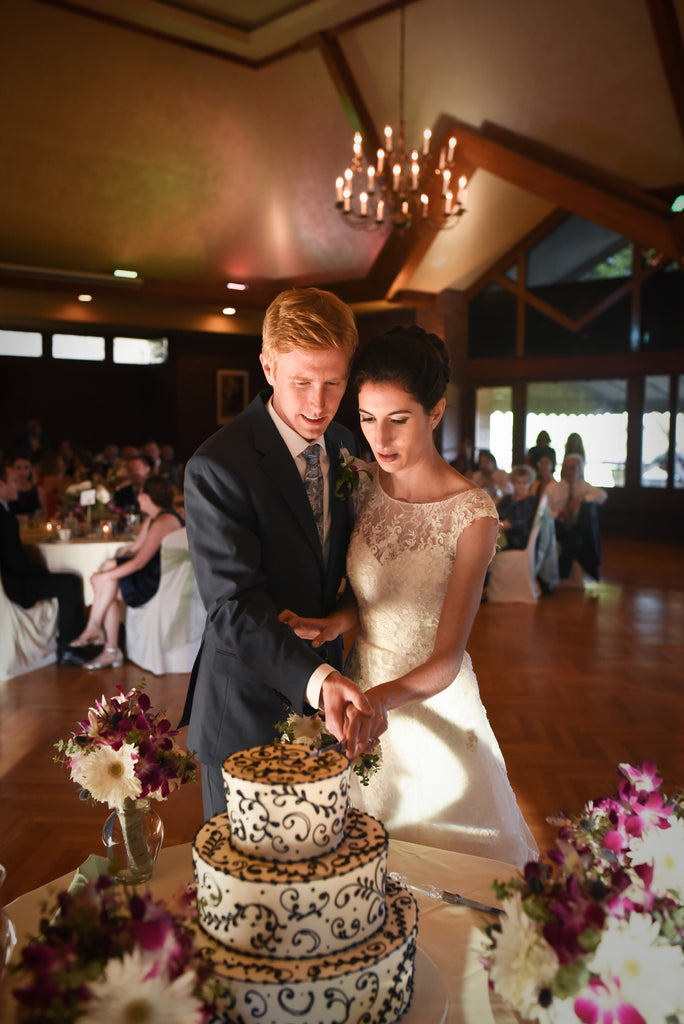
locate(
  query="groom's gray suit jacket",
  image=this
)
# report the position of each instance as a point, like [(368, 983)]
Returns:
[(255, 551)]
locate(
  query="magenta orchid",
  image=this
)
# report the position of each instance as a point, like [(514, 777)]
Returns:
[(601, 915)]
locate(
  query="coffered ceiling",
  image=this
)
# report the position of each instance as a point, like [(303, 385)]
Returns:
[(198, 142)]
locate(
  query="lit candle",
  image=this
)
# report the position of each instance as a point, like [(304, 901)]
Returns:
[(347, 200), (48, 527), (357, 145), (424, 205), (396, 176), (363, 200), (405, 209), (379, 211), (371, 179), (381, 160), (446, 182), (348, 175), (452, 147), (414, 177), (448, 199), (106, 529), (427, 135), (462, 194), (339, 189), (388, 139)]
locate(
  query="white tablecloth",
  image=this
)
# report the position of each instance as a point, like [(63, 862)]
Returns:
[(446, 933), (82, 556)]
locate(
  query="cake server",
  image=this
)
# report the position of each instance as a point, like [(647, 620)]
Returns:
[(453, 898)]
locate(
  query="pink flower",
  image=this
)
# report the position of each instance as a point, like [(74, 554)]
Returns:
[(604, 1005)]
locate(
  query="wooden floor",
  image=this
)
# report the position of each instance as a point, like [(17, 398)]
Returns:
[(573, 686)]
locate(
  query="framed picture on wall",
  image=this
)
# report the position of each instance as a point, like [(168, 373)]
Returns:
[(232, 393)]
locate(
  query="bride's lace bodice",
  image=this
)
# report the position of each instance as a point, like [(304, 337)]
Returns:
[(399, 563)]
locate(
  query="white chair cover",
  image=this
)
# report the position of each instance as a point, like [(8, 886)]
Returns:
[(28, 636), (164, 635), (513, 573)]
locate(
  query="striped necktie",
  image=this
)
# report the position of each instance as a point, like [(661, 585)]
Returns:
[(313, 482)]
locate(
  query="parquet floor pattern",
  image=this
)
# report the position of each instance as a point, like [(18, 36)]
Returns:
[(573, 686)]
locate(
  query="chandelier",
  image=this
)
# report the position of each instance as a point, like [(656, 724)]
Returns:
[(404, 186)]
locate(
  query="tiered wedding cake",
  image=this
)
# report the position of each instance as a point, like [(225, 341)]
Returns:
[(292, 890)]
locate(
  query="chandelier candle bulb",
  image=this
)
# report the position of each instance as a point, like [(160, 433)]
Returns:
[(363, 200), (427, 135), (452, 147), (462, 194), (446, 182), (347, 200), (371, 179), (379, 211), (339, 190), (381, 160), (396, 177), (424, 205), (414, 177), (448, 199), (388, 139)]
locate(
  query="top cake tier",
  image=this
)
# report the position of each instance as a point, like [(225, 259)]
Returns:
[(286, 803)]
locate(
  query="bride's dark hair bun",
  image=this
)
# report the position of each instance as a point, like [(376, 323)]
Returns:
[(407, 356)]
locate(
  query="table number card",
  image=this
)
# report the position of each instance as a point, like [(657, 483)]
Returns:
[(88, 497)]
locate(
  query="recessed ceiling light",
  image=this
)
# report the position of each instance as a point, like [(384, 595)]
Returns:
[(229, 310), (126, 273), (85, 298), (678, 205), (234, 286)]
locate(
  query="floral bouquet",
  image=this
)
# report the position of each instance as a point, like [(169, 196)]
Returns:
[(92, 496), (594, 932), (106, 954), (348, 474), (125, 755), (124, 750), (310, 731)]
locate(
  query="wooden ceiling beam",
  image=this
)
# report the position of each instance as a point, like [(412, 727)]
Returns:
[(668, 34), (572, 185)]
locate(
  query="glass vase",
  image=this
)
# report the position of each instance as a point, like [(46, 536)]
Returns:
[(133, 837), (8, 938)]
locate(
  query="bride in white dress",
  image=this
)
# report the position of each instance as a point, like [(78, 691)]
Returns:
[(423, 538)]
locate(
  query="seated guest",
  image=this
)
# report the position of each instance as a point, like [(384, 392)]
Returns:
[(516, 514), (53, 480), (31, 500), (517, 510), (496, 482), (138, 468), (132, 577), (573, 504), (546, 467), (161, 466), (25, 583)]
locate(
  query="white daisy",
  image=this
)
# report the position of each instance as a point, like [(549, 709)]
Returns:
[(524, 962), (649, 970), (126, 995), (306, 730), (108, 774), (664, 848)]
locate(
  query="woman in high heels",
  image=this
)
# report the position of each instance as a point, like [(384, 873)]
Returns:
[(132, 577)]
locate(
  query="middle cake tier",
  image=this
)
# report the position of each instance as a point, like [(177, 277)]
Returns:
[(291, 910)]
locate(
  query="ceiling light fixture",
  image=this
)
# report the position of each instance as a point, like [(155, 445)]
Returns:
[(229, 311), (85, 298), (401, 183), (234, 286)]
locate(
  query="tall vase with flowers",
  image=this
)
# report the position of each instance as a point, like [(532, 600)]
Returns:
[(594, 932), (125, 754)]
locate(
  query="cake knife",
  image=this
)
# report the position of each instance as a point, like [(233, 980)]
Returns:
[(453, 898)]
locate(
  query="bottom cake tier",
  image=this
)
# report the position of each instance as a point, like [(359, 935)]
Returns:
[(371, 982)]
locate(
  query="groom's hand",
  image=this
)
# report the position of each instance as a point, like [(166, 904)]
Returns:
[(346, 709)]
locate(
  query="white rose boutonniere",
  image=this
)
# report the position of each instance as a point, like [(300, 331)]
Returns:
[(348, 474)]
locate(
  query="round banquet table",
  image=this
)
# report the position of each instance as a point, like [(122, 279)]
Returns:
[(447, 934), (81, 555)]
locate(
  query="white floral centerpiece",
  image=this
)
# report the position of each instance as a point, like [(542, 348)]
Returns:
[(594, 931), (310, 731), (104, 953)]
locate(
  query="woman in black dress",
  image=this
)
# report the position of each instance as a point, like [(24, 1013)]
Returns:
[(132, 577)]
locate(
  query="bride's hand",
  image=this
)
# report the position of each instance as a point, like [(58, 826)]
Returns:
[(372, 728), (319, 631)]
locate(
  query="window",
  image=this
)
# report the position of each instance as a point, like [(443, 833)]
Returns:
[(21, 343), (494, 424), (142, 351), (78, 346), (595, 409), (655, 439)]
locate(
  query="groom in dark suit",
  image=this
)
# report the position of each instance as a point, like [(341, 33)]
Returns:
[(267, 534)]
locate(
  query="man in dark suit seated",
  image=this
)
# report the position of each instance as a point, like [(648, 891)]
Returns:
[(268, 534), (138, 469), (25, 583)]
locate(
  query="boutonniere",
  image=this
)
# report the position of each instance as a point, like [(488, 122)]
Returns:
[(348, 474)]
